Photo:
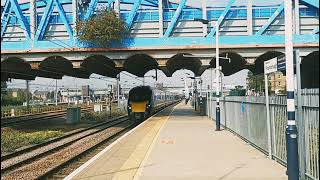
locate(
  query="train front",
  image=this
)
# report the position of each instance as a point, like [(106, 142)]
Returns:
[(140, 103)]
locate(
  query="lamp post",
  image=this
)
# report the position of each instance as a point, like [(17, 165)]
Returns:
[(291, 129), (218, 80), (204, 21)]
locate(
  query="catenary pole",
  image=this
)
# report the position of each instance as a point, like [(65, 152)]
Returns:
[(291, 129)]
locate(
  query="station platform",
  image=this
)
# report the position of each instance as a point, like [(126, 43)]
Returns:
[(178, 144)]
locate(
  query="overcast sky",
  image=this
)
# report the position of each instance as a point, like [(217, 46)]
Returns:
[(236, 79)]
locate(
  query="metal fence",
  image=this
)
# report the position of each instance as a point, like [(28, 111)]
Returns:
[(246, 116)]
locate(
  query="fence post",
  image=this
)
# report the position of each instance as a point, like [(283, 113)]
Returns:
[(268, 115), (225, 112), (273, 127)]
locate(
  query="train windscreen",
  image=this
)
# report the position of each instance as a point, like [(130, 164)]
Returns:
[(139, 94)]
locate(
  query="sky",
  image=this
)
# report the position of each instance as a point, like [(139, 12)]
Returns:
[(236, 79), (127, 80)]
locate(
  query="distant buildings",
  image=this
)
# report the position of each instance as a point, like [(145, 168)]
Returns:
[(15, 92), (86, 94), (41, 95), (277, 82)]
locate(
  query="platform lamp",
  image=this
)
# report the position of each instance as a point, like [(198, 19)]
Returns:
[(205, 21)]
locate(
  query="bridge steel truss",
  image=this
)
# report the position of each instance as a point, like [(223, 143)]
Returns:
[(46, 28)]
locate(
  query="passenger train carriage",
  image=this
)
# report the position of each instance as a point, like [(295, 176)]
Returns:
[(143, 100)]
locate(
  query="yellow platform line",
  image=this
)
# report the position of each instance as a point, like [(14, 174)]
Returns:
[(138, 158)]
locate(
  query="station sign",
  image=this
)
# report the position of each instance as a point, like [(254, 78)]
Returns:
[(277, 64), (270, 66), (281, 64)]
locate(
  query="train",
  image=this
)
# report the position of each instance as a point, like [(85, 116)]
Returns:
[(142, 101)]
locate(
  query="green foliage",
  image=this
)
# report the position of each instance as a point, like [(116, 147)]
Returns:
[(102, 29), (50, 95), (256, 82), (237, 91), (8, 100), (103, 116), (3, 88), (12, 139)]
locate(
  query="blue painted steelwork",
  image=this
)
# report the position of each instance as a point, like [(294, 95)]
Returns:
[(5, 9), (144, 2), (133, 12), (14, 7), (221, 18), (314, 3), (91, 9), (270, 21), (64, 18), (4, 23), (175, 18), (46, 16), (5, 19), (155, 3), (44, 20), (316, 31), (172, 41), (170, 14)]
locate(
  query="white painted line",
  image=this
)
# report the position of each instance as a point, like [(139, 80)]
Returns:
[(291, 122), (291, 106), (82, 167)]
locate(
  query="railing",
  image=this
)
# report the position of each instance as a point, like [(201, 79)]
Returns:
[(22, 110), (246, 117), (213, 13)]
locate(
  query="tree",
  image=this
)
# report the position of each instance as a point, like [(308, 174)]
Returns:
[(102, 29), (3, 90), (51, 96), (256, 82)]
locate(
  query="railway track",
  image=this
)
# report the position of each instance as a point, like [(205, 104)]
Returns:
[(45, 160), (31, 118)]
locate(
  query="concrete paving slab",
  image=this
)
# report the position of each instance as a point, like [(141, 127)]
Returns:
[(121, 160), (184, 146), (188, 148)]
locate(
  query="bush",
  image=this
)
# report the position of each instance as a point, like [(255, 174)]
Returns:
[(103, 116), (102, 29)]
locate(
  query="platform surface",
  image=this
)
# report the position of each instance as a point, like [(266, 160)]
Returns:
[(180, 145)]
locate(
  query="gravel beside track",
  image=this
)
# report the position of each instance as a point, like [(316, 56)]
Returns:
[(39, 167), (21, 157), (77, 162), (51, 159), (37, 117)]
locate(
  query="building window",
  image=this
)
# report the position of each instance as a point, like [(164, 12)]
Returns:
[(279, 83)]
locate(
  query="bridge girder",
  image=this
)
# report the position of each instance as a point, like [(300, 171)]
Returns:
[(86, 63)]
